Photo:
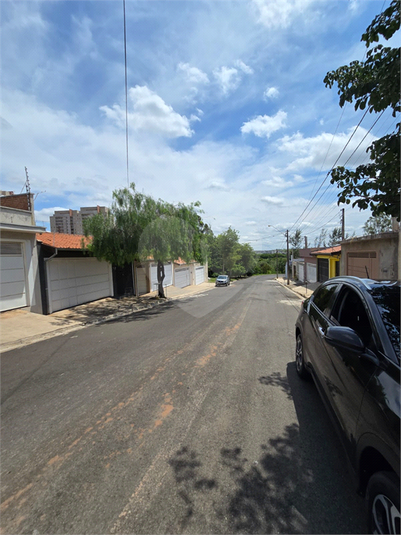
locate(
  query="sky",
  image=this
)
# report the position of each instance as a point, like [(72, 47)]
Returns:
[(226, 106)]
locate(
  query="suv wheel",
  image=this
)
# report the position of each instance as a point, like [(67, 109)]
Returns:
[(299, 359), (383, 499)]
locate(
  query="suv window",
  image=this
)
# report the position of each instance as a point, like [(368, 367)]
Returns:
[(322, 297), (387, 300), (349, 311)]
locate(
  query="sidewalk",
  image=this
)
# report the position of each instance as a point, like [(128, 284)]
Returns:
[(20, 327), (299, 288)]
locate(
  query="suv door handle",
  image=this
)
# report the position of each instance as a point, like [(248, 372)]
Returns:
[(321, 331)]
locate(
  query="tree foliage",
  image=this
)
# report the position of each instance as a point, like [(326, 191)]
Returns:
[(139, 227), (335, 237), (227, 255), (296, 242), (375, 84), (377, 224)]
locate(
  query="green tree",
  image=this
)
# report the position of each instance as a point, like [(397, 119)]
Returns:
[(375, 84), (335, 237), (247, 257), (296, 242), (377, 224), (320, 241), (138, 227)]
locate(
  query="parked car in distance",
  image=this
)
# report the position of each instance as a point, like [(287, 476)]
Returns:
[(348, 340), (223, 280)]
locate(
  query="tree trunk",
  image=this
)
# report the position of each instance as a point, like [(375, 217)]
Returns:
[(160, 278)]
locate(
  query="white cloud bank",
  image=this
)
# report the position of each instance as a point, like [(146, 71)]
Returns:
[(265, 125), (150, 114)]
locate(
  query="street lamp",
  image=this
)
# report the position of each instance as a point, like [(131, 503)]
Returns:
[(288, 252)]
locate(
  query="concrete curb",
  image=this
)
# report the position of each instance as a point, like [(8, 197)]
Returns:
[(296, 290)]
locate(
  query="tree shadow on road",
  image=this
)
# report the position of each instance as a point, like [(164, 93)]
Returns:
[(298, 484)]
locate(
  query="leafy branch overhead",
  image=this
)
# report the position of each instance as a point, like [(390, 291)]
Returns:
[(373, 84)]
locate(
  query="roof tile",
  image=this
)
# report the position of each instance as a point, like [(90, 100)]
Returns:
[(58, 240)]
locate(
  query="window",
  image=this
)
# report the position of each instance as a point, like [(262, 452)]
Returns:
[(322, 297), (387, 300), (350, 311)]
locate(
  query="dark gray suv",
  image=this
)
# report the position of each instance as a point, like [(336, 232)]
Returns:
[(348, 340)]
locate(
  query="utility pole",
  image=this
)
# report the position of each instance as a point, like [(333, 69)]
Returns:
[(288, 260), (343, 224)]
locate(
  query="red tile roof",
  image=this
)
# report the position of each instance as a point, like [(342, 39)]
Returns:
[(62, 241), (330, 250)]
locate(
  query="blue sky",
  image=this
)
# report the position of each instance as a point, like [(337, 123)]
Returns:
[(227, 106)]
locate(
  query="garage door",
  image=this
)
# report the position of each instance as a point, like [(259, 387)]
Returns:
[(73, 281), (301, 275), (182, 277), (199, 275), (142, 280), (311, 273), (13, 280), (322, 269), (363, 264), (168, 275)]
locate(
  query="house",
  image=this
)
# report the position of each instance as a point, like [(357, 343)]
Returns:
[(68, 275), (375, 256), (327, 262), (306, 265), (20, 283)]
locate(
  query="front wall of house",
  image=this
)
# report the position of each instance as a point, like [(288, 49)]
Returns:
[(22, 271), (378, 254)]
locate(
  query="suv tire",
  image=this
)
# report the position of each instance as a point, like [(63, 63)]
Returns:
[(299, 358), (383, 499)]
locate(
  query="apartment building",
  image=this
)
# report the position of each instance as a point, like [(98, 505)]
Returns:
[(71, 221)]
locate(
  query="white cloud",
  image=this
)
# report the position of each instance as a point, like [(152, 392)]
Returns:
[(151, 114), (265, 125), (272, 200), (193, 74), (271, 92), (274, 14), (243, 67), (228, 78), (322, 151)]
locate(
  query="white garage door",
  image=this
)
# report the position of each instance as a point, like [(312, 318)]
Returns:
[(168, 275), (301, 275), (182, 277), (141, 280), (311, 272), (13, 280), (199, 275), (73, 281)]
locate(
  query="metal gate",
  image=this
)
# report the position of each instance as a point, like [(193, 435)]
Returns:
[(322, 269)]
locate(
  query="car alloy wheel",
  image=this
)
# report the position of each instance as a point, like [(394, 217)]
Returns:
[(299, 358), (383, 497)]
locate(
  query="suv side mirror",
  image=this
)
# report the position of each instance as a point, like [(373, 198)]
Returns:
[(344, 338)]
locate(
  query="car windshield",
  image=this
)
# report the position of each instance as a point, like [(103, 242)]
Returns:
[(387, 299), (221, 277)]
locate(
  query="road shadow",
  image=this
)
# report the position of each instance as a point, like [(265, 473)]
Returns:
[(299, 483)]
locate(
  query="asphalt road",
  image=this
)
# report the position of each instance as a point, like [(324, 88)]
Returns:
[(187, 418)]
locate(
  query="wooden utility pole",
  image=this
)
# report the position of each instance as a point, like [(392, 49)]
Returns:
[(343, 223), (288, 260)]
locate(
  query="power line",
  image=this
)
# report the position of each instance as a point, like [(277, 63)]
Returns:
[(332, 167), (126, 92)]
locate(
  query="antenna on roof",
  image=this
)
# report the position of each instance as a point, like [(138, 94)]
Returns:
[(28, 189)]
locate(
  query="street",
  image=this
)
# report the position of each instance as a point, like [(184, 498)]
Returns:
[(186, 418)]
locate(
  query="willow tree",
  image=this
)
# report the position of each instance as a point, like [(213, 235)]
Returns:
[(138, 227)]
